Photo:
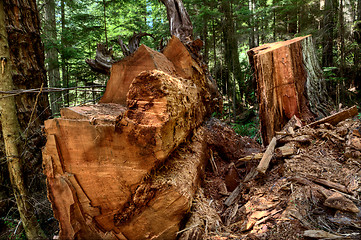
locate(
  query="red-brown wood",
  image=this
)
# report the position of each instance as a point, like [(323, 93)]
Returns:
[(117, 171), (284, 84)]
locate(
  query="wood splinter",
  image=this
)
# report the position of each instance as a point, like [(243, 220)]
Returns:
[(267, 156)]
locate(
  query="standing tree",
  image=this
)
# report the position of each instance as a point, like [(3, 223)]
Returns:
[(52, 54), (22, 67), (180, 24)]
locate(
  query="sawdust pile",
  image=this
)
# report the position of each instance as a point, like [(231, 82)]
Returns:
[(311, 189)]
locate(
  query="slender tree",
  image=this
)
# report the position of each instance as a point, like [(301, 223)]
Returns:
[(52, 55), (10, 125), (328, 34)]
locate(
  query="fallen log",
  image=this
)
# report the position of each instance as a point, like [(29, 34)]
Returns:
[(289, 82), (336, 118), (124, 71), (128, 167)]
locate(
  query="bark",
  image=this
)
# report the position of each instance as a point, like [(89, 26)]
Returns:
[(27, 58), (52, 56), (11, 136), (128, 167), (180, 24), (289, 82)]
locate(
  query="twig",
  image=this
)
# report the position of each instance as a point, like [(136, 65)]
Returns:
[(213, 164), (36, 103)]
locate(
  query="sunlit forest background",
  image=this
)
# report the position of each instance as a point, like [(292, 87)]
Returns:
[(73, 28)]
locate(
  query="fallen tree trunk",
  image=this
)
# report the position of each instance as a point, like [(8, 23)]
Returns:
[(289, 82), (128, 167)]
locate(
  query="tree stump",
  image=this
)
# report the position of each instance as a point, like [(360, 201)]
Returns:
[(289, 82), (129, 171)]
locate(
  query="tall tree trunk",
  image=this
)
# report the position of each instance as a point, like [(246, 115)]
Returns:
[(105, 24), (64, 73), (180, 24), (342, 33), (205, 39), (52, 55), (11, 134), (214, 46), (274, 21), (231, 54), (328, 26), (252, 37)]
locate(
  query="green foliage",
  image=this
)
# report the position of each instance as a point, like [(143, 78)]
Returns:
[(14, 229), (248, 129), (253, 23)]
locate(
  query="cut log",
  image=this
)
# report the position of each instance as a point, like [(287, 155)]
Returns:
[(118, 171), (289, 82), (124, 71)]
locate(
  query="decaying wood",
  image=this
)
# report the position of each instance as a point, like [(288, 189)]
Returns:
[(126, 168), (300, 139), (133, 43), (203, 220), (283, 151), (282, 71), (234, 195), (287, 150), (103, 60), (166, 198), (337, 117), (329, 184), (338, 201), (320, 234), (267, 156), (256, 156)]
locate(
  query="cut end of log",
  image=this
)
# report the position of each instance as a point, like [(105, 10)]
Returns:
[(124, 71), (126, 168)]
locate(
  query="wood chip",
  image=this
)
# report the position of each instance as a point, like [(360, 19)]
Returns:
[(320, 234), (248, 158), (267, 156), (338, 201)]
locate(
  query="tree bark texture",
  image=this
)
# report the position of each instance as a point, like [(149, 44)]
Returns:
[(289, 82), (128, 167), (180, 24), (28, 72), (11, 135)]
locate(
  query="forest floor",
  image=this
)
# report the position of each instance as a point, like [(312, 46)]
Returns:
[(312, 191)]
